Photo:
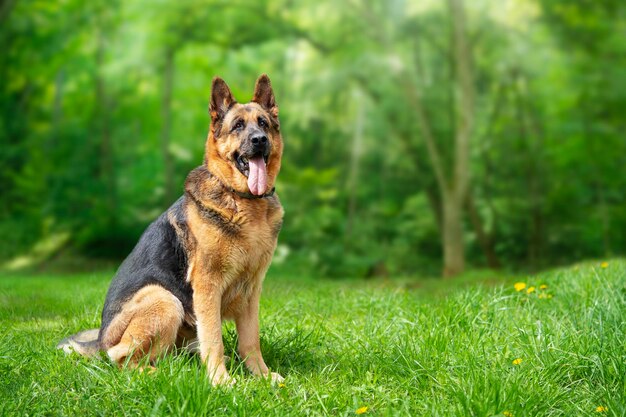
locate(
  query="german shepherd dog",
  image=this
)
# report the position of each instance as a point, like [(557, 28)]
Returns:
[(205, 258)]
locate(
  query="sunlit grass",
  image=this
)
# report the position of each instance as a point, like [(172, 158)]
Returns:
[(346, 347)]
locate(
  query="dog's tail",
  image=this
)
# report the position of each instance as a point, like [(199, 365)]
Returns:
[(85, 343)]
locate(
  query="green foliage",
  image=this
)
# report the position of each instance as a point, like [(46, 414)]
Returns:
[(343, 345), (87, 149)]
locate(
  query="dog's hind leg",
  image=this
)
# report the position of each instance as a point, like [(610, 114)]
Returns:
[(147, 325)]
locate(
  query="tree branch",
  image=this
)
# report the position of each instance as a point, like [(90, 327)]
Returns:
[(426, 132)]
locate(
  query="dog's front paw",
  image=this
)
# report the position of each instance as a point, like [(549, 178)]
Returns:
[(221, 378), (276, 378), (223, 381)]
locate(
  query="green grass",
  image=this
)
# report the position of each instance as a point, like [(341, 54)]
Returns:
[(342, 345)]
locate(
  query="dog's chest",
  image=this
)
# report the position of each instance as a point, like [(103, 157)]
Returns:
[(244, 259), (255, 244), (242, 242)]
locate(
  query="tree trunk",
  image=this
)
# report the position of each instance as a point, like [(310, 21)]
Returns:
[(532, 150), (453, 246), (484, 239), (355, 156), (166, 117), (454, 195)]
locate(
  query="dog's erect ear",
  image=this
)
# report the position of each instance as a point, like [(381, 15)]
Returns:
[(264, 95), (221, 99)]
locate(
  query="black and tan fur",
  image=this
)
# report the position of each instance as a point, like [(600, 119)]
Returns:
[(205, 258)]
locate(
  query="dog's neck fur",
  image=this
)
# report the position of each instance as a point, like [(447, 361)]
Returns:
[(206, 189)]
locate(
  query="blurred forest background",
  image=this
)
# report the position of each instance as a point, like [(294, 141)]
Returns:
[(420, 136)]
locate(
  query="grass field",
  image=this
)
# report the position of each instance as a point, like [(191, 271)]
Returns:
[(345, 347)]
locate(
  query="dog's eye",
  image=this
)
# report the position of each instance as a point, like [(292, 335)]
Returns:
[(262, 122), (238, 125)]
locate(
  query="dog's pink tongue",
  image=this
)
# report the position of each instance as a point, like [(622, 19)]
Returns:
[(257, 178)]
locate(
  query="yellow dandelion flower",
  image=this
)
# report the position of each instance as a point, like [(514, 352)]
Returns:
[(604, 265), (530, 290), (601, 409), (361, 410), (281, 385), (517, 361), (519, 286), (543, 287), (507, 414)]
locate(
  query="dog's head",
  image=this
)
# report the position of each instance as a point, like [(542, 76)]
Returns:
[(244, 147)]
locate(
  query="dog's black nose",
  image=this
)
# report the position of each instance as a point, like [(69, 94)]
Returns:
[(259, 140)]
